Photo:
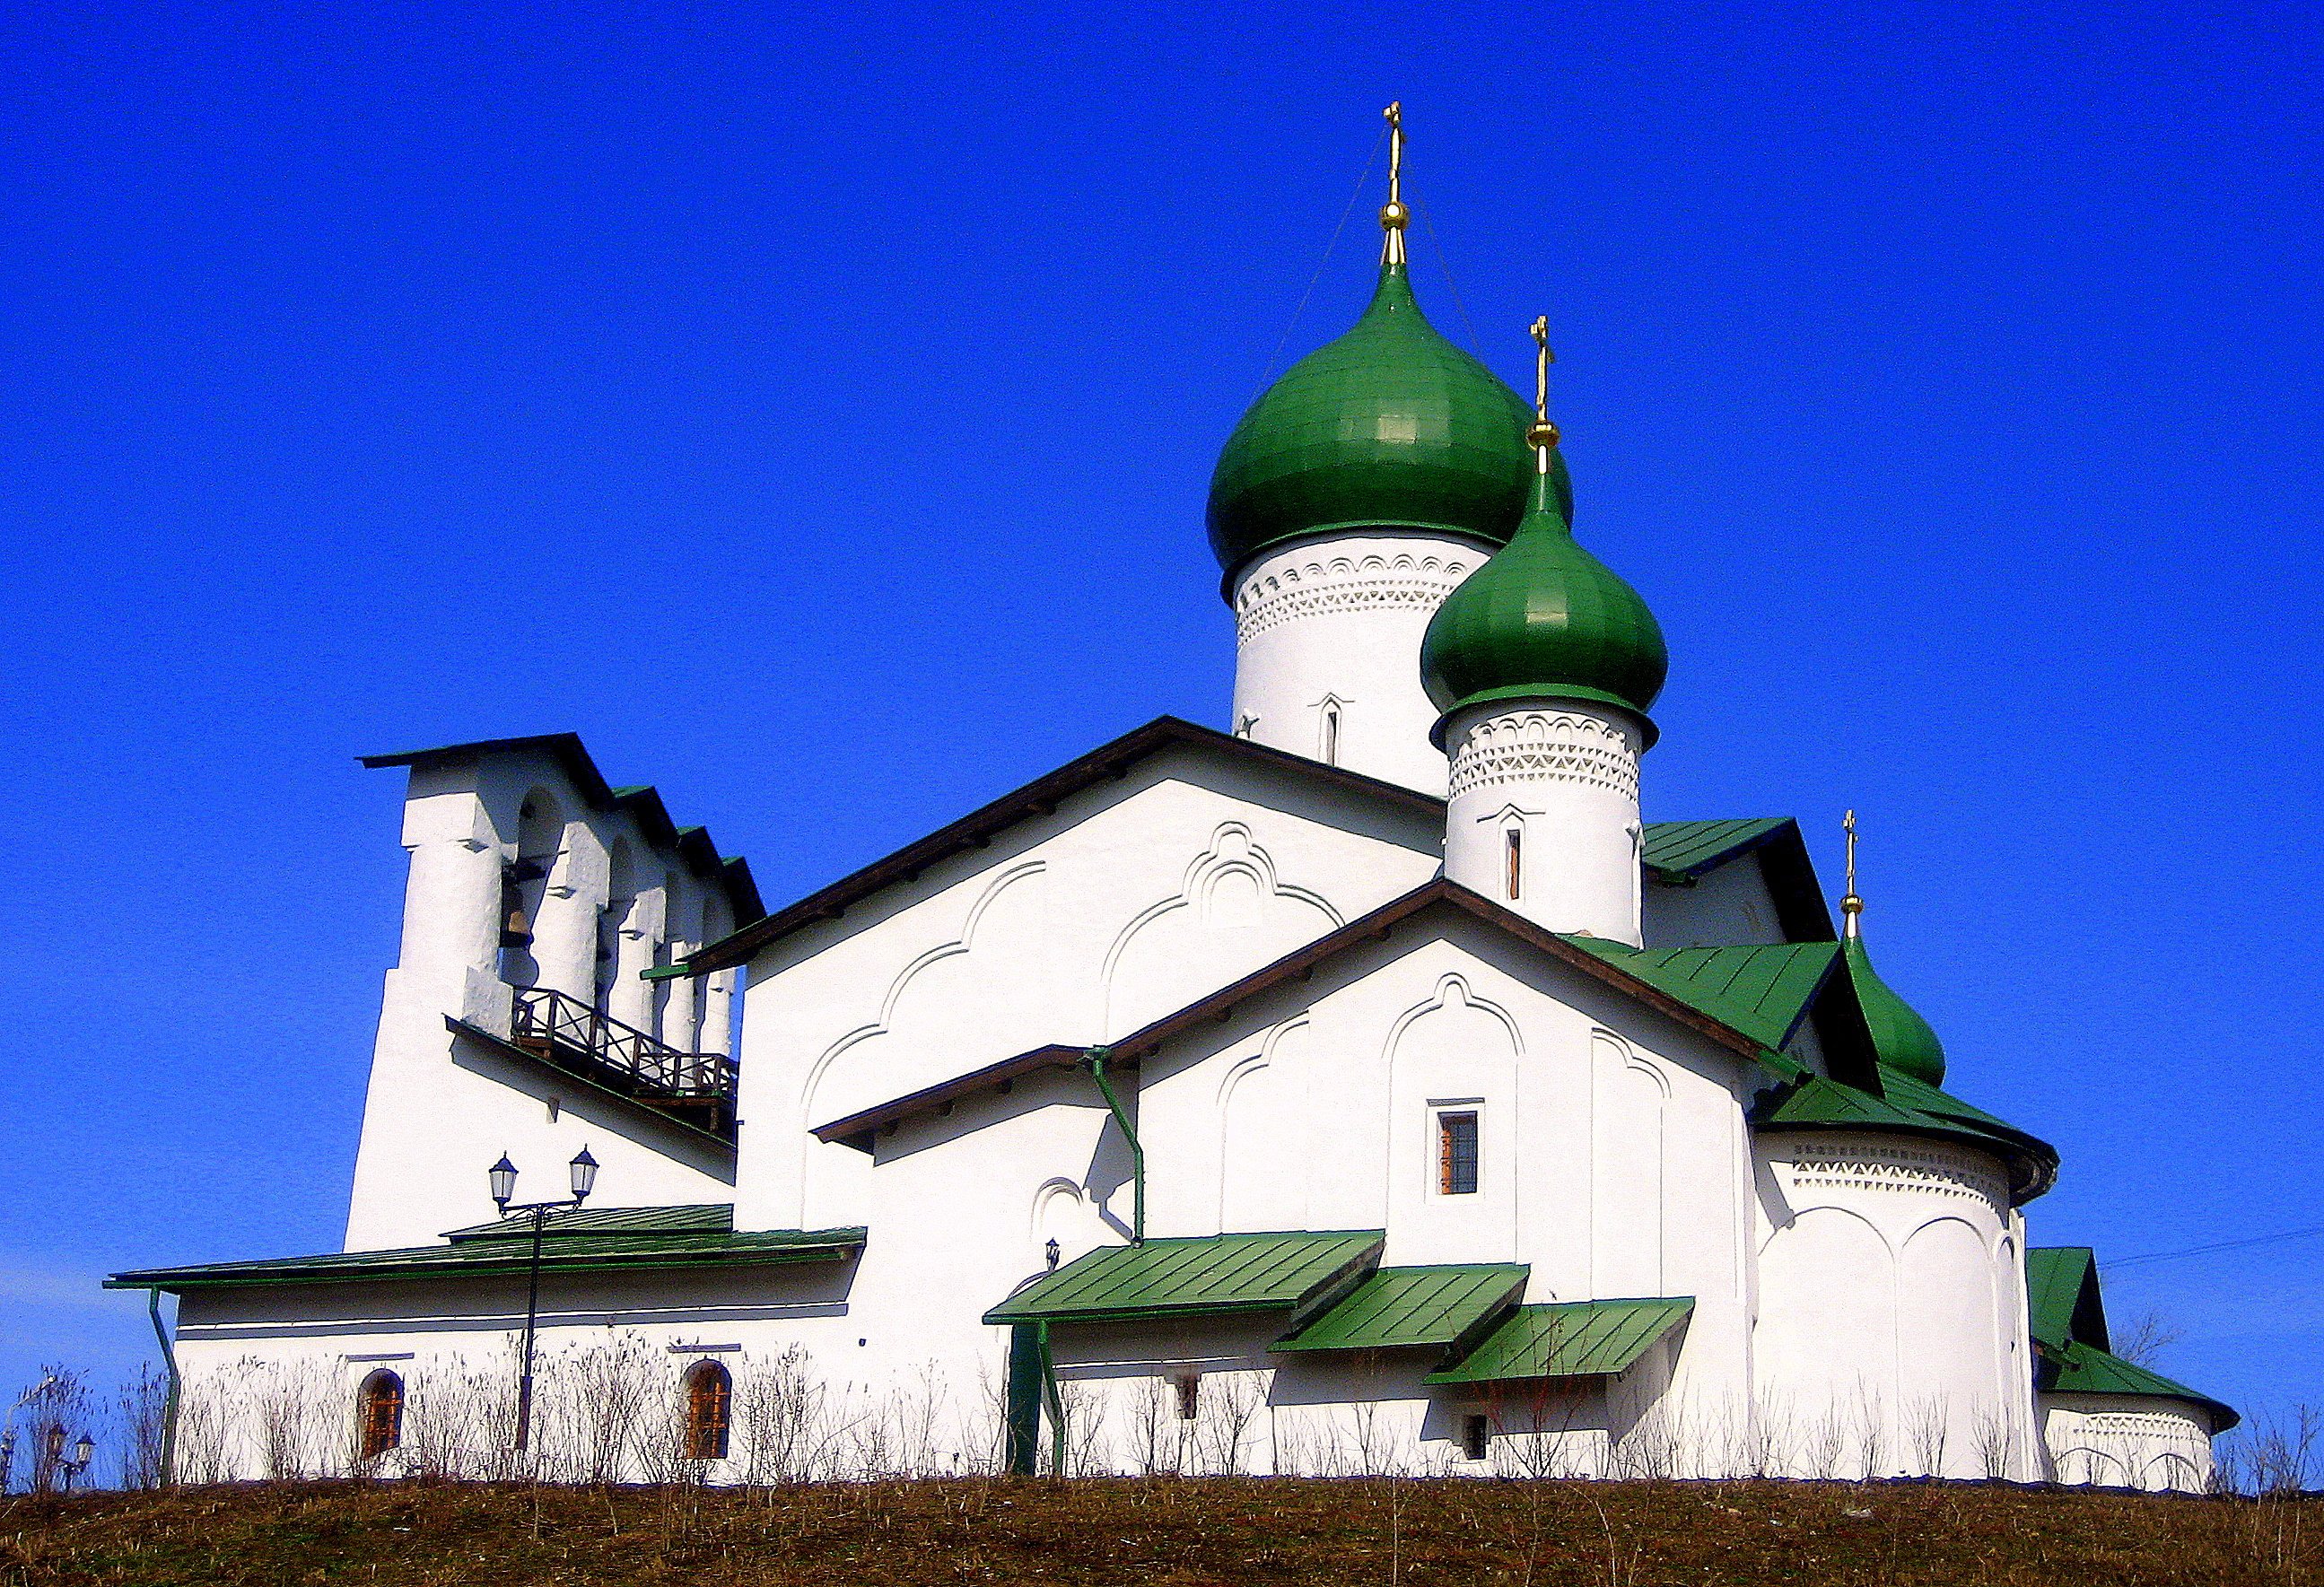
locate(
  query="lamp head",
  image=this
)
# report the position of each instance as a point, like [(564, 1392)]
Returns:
[(84, 1452), (585, 1174), (502, 1176)]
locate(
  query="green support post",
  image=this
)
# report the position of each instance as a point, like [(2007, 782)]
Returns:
[(1027, 1348), (1096, 1060), (169, 1405)]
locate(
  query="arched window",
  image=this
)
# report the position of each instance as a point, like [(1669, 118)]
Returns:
[(709, 1397), (382, 1414)]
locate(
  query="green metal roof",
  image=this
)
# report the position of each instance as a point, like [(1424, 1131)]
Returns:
[(1764, 993), (1389, 424), (1569, 1339), (2063, 1298), (488, 1258), (1692, 848), (1543, 619), (2085, 1369), (1449, 1306), (711, 1217), (1908, 1107), (1196, 1276)]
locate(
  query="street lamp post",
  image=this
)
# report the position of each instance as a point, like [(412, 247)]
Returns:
[(84, 1452), (502, 1176)]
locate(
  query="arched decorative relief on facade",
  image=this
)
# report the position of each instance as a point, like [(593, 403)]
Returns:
[(915, 977), (1232, 913), (1949, 1393), (1630, 1100), (1346, 585), (1825, 1336), (1453, 992), (1546, 746), (1455, 1051), (1261, 1159)]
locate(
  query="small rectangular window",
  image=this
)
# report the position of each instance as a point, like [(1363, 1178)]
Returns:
[(1474, 1430), (1516, 856), (1190, 1394), (1456, 1154)]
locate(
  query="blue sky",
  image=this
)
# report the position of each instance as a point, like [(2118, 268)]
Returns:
[(813, 408)]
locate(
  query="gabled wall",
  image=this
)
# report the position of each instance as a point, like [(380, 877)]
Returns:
[(1131, 899)]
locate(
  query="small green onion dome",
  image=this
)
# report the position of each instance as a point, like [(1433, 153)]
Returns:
[(1391, 426), (1544, 619), (1902, 1039)]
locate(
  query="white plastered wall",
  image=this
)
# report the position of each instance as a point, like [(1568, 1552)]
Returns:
[(1132, 899), (1730, 907), (442, 1107), (2127, 1441), (1891, 1334), (1327, 649)]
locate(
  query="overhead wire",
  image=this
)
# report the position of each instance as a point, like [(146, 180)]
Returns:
[(2201, 1250), (1437, 248), (1324, 263)]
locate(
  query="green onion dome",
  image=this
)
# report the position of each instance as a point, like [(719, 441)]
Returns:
[(1903, 1039), (1391, 426), (1544, 619)]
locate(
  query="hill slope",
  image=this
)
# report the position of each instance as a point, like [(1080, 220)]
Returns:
[(1160, 1533)]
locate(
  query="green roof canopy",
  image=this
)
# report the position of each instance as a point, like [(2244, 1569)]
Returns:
[(2063, 1298), (1569, 1339), (1908, 1107), (1389, 426), (1764, 992), (2085, 1369), (1451, 1307), (488, 1258), (706, 1217), (1299, 1272), (1691, 848)]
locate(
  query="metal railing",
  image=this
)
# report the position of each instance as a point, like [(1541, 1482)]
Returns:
[(577, 1036)]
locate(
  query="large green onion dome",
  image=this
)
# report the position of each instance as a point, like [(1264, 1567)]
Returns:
[(1904, 1040), (1391, 426), (1543, 619)]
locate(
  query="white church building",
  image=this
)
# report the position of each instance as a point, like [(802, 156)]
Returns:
[(1367, 1087)]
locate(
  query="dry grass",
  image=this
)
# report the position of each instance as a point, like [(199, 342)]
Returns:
[(1158, 1532)]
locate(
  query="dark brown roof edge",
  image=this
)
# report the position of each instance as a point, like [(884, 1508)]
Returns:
[(856, 1129), (1108, 762)]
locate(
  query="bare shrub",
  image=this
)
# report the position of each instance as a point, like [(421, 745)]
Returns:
[(1927, 1430), (1156, 1443), (459, 1419), (301, 1429), (783, 1437), (1997, 1444), (2280, 1451), (142, 1427), (2143, 1340), (1230, 1402), (1823, 1442), (1088, 1450), (1872, 1452)]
